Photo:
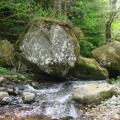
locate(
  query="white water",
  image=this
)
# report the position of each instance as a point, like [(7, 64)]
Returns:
[(55, 100)]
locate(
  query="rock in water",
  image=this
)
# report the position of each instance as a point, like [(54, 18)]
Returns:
[(28, 97), (89, 69), (3, 94), (94, 93), (51, 47), (109, 56), (6, 53)]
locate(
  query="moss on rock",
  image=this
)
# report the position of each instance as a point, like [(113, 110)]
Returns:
[(89, 69), (109, 56), (6, 53)]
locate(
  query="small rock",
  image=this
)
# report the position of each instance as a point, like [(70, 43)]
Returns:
[(35, 84), (28, 97), (3, 94), (6, 100), (10, 91), (2, 79)]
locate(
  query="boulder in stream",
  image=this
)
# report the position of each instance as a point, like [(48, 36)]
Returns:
[(109, 56), (89, 69), (50, 46), (28, 97), (94, 93)]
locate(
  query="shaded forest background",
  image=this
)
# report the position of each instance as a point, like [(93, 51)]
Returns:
[(99, 20)]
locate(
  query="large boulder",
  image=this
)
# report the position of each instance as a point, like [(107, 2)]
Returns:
[(94, 93), (109, 56), (89, 69), (6, 53), (51, 46)]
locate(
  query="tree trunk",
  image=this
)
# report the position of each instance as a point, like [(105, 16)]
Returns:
[(108, 33)]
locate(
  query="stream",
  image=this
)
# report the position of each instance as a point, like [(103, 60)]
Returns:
[(53, 100)]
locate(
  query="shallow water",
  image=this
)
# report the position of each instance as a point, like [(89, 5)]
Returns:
[(55, 101)]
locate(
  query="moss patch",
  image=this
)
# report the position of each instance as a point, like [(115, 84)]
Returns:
[(89, 69), (6, 53)]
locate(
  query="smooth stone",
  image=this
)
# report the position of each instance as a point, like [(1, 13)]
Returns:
[(3, 94), (2, 89), (94, 93), (35, 84), (10, 91), (28, 97)]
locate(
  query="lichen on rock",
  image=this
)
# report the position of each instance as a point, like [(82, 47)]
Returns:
[(51, 47)]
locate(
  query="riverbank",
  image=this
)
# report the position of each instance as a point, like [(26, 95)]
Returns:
[(51, 101)]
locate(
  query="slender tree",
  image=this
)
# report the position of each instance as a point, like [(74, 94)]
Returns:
[(112, 15)]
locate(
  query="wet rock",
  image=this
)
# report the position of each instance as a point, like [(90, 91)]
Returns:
[(94, 93), (109, 56), (6, 53), (49, 46), (6, 100), (89, 69), (35, 84), (28, 97), (3, 94), (10, 91), (16, 90)]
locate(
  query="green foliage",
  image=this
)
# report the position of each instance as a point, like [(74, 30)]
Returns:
[(115, 80), (4, 70), (88, 15), (16, 16), (86, 48)]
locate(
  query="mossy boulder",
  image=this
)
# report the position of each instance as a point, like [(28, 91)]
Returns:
[(109, 56), (89, 69), (94, 93), (6, 53), (51, 46)]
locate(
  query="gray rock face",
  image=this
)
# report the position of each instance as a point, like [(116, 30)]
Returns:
[(51, 47), (94, 93)]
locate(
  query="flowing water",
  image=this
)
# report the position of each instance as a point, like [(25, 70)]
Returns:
[(55, 100)]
